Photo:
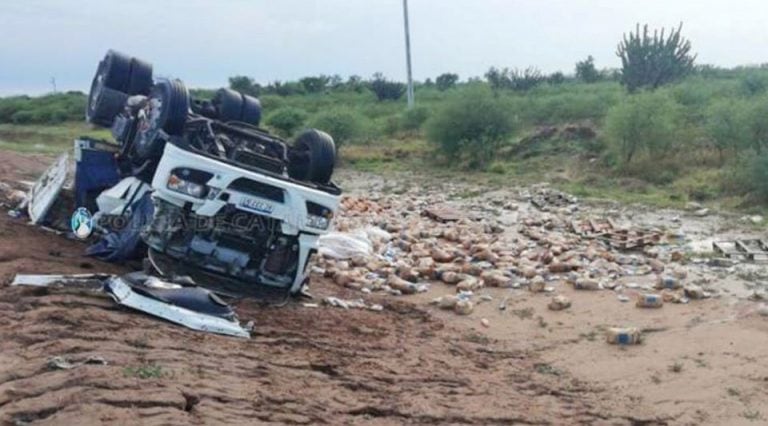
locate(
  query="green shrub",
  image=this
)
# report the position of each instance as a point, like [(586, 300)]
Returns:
[(754, 83), (515, 79), (754, 177), (315, 84), (727, 126), (270, 103), (558, 108), (342, 124), (757, 123), (646, 124), (446, 81), (556, 78), (414, 118), (386, 90), (23, 117), (287, 88), (47, 109), (287, 120), (392, 124), (471, 127)]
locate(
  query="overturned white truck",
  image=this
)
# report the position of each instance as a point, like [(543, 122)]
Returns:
[(229, 203)]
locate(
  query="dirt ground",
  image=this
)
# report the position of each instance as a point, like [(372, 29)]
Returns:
[(701, 363)]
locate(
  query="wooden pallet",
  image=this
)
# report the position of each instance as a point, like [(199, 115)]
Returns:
[(629, 239), (755, 250), (621, 238)]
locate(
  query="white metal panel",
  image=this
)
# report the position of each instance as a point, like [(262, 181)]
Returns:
[(45, 191)]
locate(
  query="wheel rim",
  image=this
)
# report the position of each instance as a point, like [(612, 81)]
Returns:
[(96, 90), (150, 121)]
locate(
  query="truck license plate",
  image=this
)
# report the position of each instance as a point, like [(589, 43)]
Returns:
[(257, 205)]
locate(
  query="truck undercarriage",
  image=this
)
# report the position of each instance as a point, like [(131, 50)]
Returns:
[(226, 198)]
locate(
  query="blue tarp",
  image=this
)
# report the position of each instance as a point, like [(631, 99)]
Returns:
[(125, 243)]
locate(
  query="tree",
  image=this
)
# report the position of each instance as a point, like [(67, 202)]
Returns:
[(646, 123), (385, 89), (497, 78), (315, 84), (650, 62), (727, 126), (446, 81), (244, 84), (285, 89), (335, 82), (556, 78), (514, 79), (586, 71), (355, 83), (525, 79), (757, 125)]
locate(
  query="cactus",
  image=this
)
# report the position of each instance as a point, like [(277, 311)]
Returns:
[(649, 62)]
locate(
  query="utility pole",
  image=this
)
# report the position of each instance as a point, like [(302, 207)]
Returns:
[(53, 83), (408, 54)]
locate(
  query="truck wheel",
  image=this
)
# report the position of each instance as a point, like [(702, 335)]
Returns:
[(312, 157), (235, 106), (229, 104), (166, 109), (125, 74), (103, 104), (115, 70), (140, 80)]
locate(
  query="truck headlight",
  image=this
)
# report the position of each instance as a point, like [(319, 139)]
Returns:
[(318, 222), (318, 216), (186, 187)]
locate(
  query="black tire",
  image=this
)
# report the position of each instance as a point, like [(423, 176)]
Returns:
[(312, 157), (167, 109), (228, 104), (116, 70), (103, 105), (232, 105), (116, 73), (140, 81), (251, 111)]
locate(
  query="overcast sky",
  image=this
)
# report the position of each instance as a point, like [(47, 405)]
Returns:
[(204, 42)]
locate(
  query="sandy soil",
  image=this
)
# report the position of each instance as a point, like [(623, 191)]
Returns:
[(703, 363)]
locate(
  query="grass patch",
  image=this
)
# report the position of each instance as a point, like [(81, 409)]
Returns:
[(569, 167), (676, 367), (543, 368), (385, 155), (753, 415), (524, 313), (46, 139), (144, 371)]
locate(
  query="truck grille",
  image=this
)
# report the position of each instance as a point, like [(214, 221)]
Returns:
[(259, 189)]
